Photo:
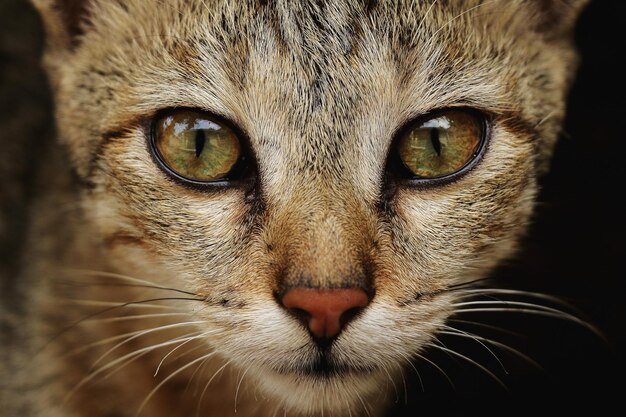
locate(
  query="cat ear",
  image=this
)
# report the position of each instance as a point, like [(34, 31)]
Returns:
[(557, 18), (65, 20)]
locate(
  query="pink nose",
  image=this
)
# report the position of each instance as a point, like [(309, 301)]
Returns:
[(325, 311)]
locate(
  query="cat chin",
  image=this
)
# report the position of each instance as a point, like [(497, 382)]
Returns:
[(338, 394)]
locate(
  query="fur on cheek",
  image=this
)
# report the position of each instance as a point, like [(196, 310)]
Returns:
[(460, 231)]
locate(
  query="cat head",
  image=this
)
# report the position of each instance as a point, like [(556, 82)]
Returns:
[(297, 163)]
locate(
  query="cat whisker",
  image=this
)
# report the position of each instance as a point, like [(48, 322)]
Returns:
[(104, 311), (101, 303), (531, 311), (393, 384), (455, 332), (471, 285), (348, 407), (485, 326), (123, 360), (425, 16), (507, 303), (239, 385), (206, 386), (136, 317), (524, 307), (117, 305), (410, 363), (545, 118), (124, 284), (522, 293), (475, 338), (188, 337), (156, 372), (141, 333), (200, 366), (459, 16), (141, 283), (365, 407), (102, 342), (168, 378), (438, 368), (469, 360), (406, 392)]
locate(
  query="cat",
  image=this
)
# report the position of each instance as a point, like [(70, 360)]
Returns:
[(272, 208)]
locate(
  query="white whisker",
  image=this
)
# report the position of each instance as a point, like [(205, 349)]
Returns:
[(410, 362), (509, 303), (473, 362), (424, 358), (156, 372), (495, 343), (239, 386), (472, 336), (145, 332), (135, 317), (521, 293), (485, 326), (365, 407), (406, 392), (393, 384), (172, 375), (129, 357), (206, 387), (101, 342), (190, 336), (198, 369), (530, 311)]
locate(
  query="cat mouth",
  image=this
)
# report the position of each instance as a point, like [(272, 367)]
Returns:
[(326, 366)]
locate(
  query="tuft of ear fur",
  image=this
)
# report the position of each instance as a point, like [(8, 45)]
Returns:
[(557, 18), (65, 20)]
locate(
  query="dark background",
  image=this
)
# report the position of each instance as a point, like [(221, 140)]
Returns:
[(574, 250)]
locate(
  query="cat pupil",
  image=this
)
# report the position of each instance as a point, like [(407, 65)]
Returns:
[(434, 139), (200, 140)]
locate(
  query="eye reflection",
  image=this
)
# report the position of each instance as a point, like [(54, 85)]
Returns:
[(195, 147), (441, 145)]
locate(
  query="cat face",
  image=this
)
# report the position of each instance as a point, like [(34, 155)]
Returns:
[(318, 98)]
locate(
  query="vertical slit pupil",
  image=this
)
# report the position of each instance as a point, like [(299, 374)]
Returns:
[(434, 139), (200, 141)]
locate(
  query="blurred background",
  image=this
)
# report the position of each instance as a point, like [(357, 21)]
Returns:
[(575, 249)]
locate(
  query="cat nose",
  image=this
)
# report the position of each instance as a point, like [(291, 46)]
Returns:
[(325, 311)]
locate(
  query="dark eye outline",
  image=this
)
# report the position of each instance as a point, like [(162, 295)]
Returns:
[(244, 168), (396, 169)]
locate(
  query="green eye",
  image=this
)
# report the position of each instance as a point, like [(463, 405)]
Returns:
[(196, 147), (441, 145)]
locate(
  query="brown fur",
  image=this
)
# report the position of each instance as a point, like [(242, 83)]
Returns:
[(320, 89)]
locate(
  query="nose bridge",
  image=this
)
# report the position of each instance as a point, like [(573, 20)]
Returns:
[(328, 255), (326, 246)]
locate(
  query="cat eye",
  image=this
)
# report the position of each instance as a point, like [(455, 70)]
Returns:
[(196, 147), (440, 145)]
